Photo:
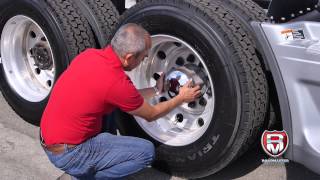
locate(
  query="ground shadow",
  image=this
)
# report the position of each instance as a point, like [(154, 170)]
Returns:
[(242, 166), (297, 171)]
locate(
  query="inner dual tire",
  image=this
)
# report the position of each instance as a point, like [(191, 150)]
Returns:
[(238, 83), (39, 38)]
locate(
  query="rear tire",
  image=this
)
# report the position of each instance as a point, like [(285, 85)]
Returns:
[(241, 89), (67, 32), (106, 15)]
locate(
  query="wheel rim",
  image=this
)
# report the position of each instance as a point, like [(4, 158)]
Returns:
[(189, 122), (27, 58)]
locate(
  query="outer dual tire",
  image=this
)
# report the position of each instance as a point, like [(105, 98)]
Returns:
[(240, 85)]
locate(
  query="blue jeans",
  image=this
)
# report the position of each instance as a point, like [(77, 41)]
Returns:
[(105, 156)]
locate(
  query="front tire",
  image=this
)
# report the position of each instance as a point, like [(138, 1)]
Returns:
[(239, 84)]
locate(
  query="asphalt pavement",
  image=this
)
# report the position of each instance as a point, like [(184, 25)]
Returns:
[(22, 158)]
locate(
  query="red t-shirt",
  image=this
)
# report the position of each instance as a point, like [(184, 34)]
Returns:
[(93, 85)]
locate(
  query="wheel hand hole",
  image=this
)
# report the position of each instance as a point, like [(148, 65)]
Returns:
[(191, 58), (180, 61), (49, 83), (33, 34), (177, 44), (162, 55), (38, 71), (43, 39), (200, 122)]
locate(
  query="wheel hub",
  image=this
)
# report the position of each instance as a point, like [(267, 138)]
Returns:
[(42, 57), (27, 58), (178, 77)]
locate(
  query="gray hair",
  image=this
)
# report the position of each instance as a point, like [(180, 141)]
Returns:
[(130, 38)]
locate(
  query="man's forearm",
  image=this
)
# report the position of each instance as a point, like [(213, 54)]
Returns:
[(163, 108)]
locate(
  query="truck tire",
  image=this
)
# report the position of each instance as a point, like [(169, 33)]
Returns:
[(38, 41), (248, 11), (201, 138), (106, 16)]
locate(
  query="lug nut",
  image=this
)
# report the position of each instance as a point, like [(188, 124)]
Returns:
[(180, 61), (192, 104), (163, 99), (203, 101), (179, 117), (200, 122), (161, 55), (191, 58)]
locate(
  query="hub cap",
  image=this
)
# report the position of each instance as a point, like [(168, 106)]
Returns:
[(187, 123), (27, 58)]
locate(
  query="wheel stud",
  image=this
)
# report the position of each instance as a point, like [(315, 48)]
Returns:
[(192, 104), (180, 61), (163, 99), (200, 122), (161, 55), (203, 101), (179, 117), (191, 58)]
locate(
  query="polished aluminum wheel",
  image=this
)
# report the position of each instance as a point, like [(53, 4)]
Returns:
[(181, 62), (27, 58)]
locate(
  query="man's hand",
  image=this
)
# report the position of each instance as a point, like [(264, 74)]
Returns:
[(187, 93), (151, 113), (160, 83)]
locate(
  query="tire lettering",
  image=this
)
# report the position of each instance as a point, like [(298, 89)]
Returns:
[(208, 147), (193, 157)]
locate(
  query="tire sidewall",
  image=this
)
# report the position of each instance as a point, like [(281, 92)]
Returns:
[(40, 13)]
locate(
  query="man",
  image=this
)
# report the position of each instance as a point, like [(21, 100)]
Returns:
[(95, 84)]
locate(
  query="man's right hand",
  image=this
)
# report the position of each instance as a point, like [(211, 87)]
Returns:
[(187, 93), (151, 113)]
